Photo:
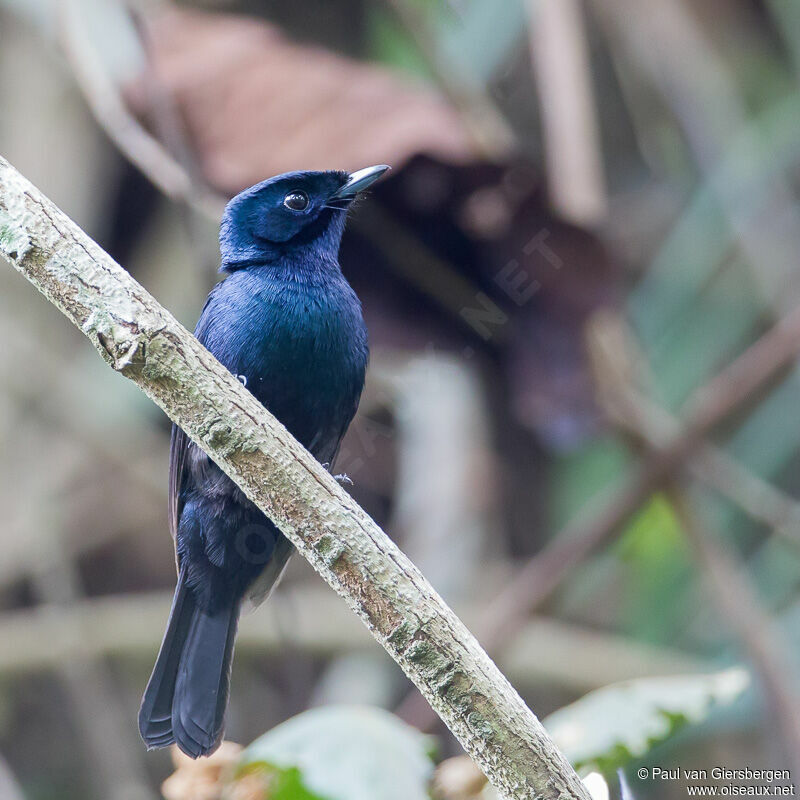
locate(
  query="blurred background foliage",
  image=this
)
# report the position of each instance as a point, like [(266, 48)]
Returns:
[(593, 214)]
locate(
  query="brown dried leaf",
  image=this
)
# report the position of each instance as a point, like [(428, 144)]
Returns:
[(256, 104), (458, 779), (250, 786), (204, 778)]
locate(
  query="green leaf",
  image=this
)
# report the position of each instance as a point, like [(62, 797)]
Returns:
[(616, 724), (345, 753), (280, 784), (659, 573)]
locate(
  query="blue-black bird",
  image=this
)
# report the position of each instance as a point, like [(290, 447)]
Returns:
[(288, 324)]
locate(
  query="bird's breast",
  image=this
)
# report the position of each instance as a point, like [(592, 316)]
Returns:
[(302, 349)]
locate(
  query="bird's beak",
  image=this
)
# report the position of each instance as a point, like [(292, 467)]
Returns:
[(358, 181)]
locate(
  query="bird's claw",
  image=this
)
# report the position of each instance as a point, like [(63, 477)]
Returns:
[(343, 478), (243, 379)]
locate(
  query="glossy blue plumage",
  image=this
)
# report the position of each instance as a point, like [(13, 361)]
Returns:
[(287, 323)]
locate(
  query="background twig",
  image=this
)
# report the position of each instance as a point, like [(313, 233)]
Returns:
[(571, 136), (735, 598), (132, 139)]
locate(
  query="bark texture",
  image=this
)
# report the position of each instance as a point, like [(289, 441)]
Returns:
[(144, 342)]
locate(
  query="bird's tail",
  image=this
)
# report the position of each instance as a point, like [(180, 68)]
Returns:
[(185, 700)]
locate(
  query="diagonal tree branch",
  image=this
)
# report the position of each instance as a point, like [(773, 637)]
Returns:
[(144, 342), (733, 593), (716, 401), (621, 372)]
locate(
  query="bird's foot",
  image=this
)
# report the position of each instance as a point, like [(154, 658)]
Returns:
[(243, 379), (343, 478)]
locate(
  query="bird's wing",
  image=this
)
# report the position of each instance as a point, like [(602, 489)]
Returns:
[(262, 586), (179, 443)]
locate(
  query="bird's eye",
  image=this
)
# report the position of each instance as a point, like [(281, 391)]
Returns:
[(296, 201)]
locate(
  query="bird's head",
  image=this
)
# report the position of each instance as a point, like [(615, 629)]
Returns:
[(290, 213)]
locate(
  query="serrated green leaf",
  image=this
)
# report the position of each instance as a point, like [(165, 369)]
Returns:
[(616, 724), (347, 753)]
